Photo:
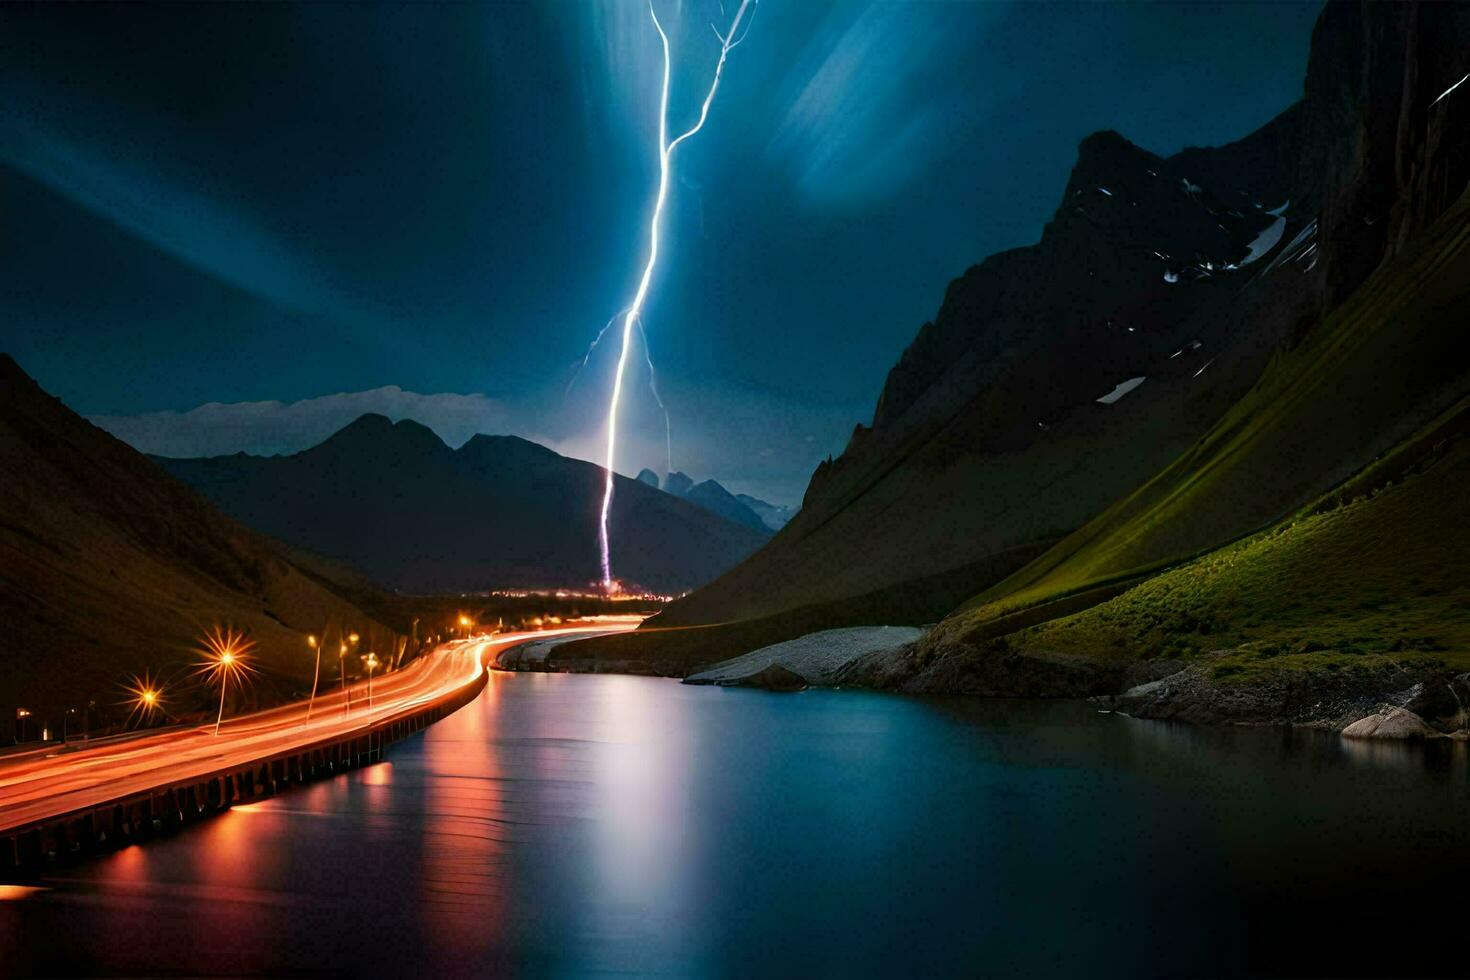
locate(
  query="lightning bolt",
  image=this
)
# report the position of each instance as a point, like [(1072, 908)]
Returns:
[(652, 383), (653, 387), (728, 42)]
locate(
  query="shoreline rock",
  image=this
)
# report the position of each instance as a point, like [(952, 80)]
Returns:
[(1393, 723), (773, 677)]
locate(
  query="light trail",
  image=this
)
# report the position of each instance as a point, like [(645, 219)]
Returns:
[(728, 42), (51, 780)]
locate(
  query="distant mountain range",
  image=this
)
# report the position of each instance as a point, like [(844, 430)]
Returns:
[(1198, 346), (110, 567), (394, 501), (743, 509)]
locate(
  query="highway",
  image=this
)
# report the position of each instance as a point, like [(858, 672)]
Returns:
[(51, 781)]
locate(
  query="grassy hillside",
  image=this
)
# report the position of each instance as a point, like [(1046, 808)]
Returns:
[(1384, 362), (110, 568), (1371, 575)]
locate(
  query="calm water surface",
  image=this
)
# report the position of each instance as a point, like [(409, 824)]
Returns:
[(580, 825)]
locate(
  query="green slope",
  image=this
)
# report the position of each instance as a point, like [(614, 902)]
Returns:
[(1371, 575), (1364, 378)]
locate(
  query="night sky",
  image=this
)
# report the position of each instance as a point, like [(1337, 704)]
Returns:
[(249, 203)]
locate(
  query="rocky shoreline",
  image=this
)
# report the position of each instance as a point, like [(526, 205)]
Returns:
[(1410, 699)]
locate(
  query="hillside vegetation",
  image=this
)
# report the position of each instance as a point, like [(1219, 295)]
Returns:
[(109, 568), (1371, 575), (1386, 360)]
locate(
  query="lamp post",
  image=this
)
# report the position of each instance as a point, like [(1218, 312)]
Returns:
[(224, 660), (316, 647), (352, 638), (372, 662), (21, 714)]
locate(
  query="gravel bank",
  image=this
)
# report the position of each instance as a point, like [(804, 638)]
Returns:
[(816, 657)]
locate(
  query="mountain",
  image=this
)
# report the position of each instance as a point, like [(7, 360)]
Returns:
[(678, 484), (1017, 414), (109, 568), (774, 516), (712, 497), (1198, 347), (397, 503), (717, 500)]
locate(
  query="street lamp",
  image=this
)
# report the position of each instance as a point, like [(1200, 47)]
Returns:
[(224, 653), (372, 662), (316, 677), (145, 697), (21, 714), (342, 666)]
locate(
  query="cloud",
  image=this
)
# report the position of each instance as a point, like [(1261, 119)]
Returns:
[(859, 124), (268, 428)]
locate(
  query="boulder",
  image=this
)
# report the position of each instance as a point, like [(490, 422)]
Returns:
[(1390, 722), (772, 677)]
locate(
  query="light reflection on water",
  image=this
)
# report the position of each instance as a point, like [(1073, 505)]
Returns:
[(579, 825)]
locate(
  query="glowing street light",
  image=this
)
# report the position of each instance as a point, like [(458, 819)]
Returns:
[(372, 662), (224, 660), (145, 697), (316, 647), (342, 669), (342, 666)]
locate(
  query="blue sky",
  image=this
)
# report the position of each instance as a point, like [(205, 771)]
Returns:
[(244, 203)]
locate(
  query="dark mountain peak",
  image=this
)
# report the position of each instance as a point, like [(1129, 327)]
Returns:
[(507, 456), (678, 484), (1256, 171), (716, 499), (649, 477), (1134, 247), (16, 385), (483, 443), (712, 488), (9, 370), (775, 516), (500, 510), (376, 434), (1108, 149)]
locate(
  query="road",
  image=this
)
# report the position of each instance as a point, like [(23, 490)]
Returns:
[(52, 781)]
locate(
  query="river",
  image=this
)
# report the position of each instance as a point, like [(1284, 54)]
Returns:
[(583, 825)]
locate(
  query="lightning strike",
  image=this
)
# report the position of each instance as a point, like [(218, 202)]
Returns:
[(728, 42), (577, 371), (653, 387), (652, 382)]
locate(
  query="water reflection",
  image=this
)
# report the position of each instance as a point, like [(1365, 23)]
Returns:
[(588, 825)]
